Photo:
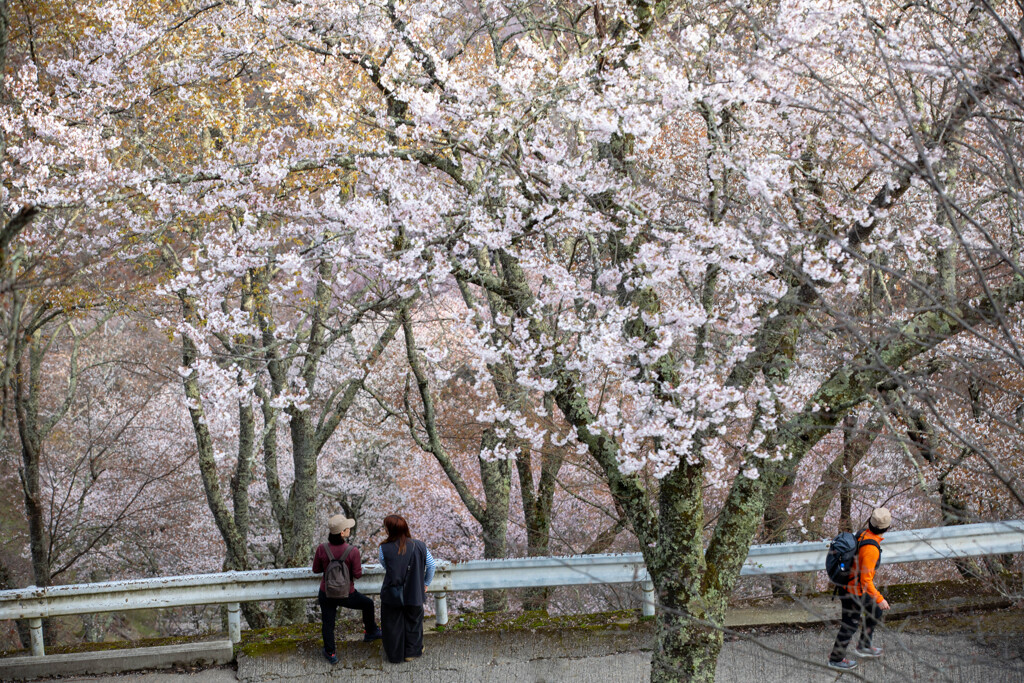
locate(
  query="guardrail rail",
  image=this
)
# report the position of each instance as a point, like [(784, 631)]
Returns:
[(233, 588)]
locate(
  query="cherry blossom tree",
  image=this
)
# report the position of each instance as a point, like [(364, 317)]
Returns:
[(58, 110), (93, 478), (59, 230), (468, 410), (264, 364)]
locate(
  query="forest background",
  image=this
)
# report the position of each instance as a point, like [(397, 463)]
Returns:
[(546, 278)]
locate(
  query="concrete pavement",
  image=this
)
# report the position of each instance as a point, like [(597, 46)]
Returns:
[(980, 646), (620, 657)]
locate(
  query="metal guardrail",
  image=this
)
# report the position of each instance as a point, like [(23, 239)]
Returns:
[(232, 588), (917, 545)]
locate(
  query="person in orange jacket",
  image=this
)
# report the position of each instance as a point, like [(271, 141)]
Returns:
[(860, 600)]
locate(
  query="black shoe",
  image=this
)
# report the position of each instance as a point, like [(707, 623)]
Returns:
[(331, 657), (369, 637), (842, 664)]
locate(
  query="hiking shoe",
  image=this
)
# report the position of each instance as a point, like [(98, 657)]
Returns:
[(369, 637), (331, 657), (868, 651), (843, 664)]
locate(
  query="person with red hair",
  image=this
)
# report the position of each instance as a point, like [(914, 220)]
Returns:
[(408, 570)]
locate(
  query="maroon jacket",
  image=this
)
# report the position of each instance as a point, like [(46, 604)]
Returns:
[(320, 563)]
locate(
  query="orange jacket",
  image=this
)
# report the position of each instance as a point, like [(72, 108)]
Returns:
[(863, 580)]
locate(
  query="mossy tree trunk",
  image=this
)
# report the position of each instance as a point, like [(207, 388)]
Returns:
[(776, 525), (496, 476), (537, 503)]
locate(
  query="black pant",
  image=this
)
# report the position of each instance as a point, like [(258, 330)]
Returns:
[(329, 611), (855, 609), (403, 631)]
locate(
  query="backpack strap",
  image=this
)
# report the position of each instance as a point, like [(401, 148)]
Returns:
[(330, 555), (861, 541), (874, 543), (408, 566), (347, 551)]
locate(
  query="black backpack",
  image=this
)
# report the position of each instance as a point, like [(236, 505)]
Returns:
[(842, 557), (337, 577)]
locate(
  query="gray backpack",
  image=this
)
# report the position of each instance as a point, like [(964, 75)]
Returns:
[(337, 575)]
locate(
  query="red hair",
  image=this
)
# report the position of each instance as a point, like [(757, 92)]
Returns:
[(398, 530)]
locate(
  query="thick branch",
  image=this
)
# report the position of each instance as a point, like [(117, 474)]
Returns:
[(845, 388), (433, 444)]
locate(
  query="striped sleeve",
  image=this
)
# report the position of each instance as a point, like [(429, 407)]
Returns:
[(431, 566), (380, 556)]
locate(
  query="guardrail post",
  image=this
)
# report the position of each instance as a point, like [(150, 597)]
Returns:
[(648, 598), (234, 622), (441, 609), (35, 630)]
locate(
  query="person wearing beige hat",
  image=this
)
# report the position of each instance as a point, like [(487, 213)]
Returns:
[(861, 601), (338, 549)]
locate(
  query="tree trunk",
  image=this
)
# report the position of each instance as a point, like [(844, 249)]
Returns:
[(537, 506), (776, 523), (538, 529), (302, 497), (496, 476), (495, 548), (31, 432), (255, 617), (687, 648), (688, 642), (301, 510), (34, 510)]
